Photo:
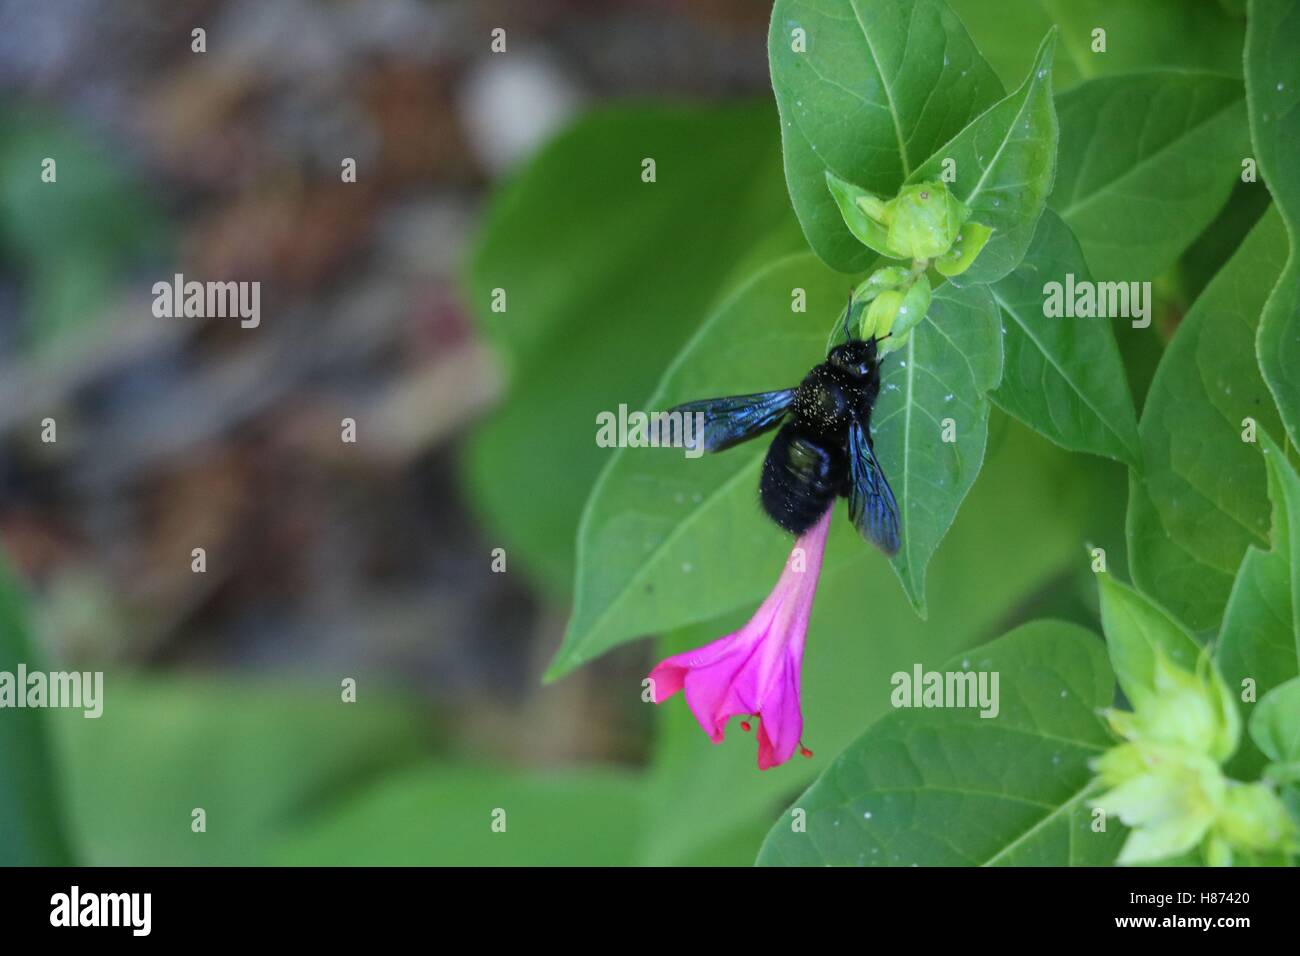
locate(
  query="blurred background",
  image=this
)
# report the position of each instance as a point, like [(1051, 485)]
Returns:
[(373, 560), (325, 560)]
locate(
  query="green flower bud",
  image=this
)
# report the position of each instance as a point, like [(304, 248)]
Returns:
[(1185, 710), (1119, 764), (916, 302), (889, 277), (1253, 818), (1165, 780), (1170, 807), (924, 220), (898, 299), (879, 319), (863, 214), (1217, 851)]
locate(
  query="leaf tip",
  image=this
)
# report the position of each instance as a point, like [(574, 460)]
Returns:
[(559, 667)]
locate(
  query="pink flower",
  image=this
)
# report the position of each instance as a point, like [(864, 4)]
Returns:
[(755, 671)]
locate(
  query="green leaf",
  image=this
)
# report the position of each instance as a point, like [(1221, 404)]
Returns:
[(31, 824), (880, 85), (1275, 725), (1063, 377), (445, 816), (1260, 638), (1004, 162), (606, 276), (1273, 94), (1256, 641), (252, 758), (1147, 162), (1200, 500), (1140, 35), (946, 787), (1135, 630), (864, 629), (1284, 495), (930, 422)]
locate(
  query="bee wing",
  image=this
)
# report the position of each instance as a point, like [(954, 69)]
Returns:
[(738, 418), (872, 507)]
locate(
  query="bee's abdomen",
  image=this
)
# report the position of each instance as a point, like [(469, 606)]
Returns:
[(801, 477)]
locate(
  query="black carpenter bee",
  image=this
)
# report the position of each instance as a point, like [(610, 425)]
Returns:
[(823, 451)]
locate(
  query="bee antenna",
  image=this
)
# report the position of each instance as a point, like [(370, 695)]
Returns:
[(848, 314)]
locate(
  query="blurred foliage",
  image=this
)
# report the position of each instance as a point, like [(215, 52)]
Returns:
[(31, 828), (603, 285), (74, 237), (254, 759)]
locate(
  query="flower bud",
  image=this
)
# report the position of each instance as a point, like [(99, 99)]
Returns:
[(1253, 818), (880, 315), (898, 301), (1170, 807), (916, 302), (889, 277), (1185, 710), (924, 220), (1165, 781), (863, 213)]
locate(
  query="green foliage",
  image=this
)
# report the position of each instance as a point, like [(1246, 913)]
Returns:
[(1147, 161), (253, 759), (73, 237), (1136, 632), (1004, 162), (1140, 35), (471, 816), (595, 311), (947, 787), (1199, 500), (1064, 378), (1275, 726), (878, 88), (1259, 643), (931, 421), (1273, 92), (31, 824)]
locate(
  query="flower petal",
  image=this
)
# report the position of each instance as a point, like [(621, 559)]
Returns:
[(755, 670)]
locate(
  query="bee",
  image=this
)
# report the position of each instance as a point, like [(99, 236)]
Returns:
[(823, 449)]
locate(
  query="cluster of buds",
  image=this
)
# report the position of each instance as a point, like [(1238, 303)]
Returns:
[(924, 223), (1166, 781), (889, 304)]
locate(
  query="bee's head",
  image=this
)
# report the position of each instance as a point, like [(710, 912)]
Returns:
[(856, 357)]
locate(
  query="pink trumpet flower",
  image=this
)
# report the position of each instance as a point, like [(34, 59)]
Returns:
[(755, 671)]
